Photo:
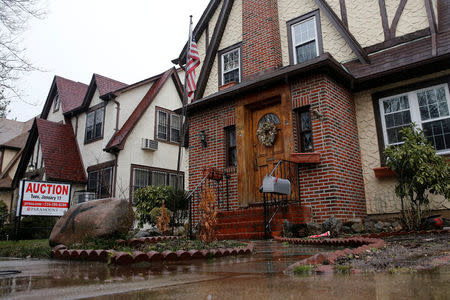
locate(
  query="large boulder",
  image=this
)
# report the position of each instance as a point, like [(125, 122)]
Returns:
[(98, 218)]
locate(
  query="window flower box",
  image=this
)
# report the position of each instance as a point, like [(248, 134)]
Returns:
[(306, 157), (213, 174), (383, 172)]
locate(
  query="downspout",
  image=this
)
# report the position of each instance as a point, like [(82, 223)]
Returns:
[(116, 154), (117, 114)]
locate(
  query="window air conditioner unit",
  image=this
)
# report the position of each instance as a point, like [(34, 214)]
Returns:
[(148, 144)]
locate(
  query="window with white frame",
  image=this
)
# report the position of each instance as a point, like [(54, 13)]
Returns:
[(304, 40), (94, 124), (168, 126), (231, 66), (175, 127), (428, 108)]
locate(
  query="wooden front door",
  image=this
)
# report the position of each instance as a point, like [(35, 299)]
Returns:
[(266, 157)]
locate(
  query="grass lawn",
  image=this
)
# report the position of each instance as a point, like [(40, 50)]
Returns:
[(33, 248)]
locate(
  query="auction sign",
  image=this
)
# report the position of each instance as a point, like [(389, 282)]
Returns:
[(39, 198)]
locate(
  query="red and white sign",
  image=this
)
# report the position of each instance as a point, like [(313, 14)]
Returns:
[(45, 198)]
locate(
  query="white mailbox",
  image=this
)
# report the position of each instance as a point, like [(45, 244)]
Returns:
[(276, 185)]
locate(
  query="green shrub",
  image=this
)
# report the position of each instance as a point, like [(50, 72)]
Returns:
[(3, 213), (155, 214), (147, 199), (303, 269), (420, 171)]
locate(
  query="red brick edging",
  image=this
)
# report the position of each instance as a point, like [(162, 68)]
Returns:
[(363, 243), (124, 258), (145, 240)]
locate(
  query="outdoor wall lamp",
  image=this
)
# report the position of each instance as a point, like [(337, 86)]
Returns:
[(202, 136), (31, 168)]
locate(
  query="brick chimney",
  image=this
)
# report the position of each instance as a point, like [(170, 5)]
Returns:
[(261, 49)]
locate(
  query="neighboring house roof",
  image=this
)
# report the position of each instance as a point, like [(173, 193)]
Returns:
[(71, 93), (10, 129), (62, 160), (60, 153), (16, 142), (118, 140)]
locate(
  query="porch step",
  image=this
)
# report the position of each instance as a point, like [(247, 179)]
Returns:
[(248, 223)]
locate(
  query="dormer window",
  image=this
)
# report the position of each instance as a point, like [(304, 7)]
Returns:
[(94, 123), (56, 103), (304, 38), (230, 65)]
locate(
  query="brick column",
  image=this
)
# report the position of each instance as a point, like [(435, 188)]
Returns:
[(261, 49)]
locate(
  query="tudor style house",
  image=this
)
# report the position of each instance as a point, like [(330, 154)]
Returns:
[(322, 85), (107, 138)]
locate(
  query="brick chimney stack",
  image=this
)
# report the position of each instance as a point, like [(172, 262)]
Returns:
[(261, 49)]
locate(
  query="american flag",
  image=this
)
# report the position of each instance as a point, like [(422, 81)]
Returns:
[(193, 62)]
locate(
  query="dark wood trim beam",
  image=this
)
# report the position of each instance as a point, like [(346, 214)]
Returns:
[(433, 28), (343, 12), (213, 47), (384, 19), (397, 16), (344, 32), (398, 40)]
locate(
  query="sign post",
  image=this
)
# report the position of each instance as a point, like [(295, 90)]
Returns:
[(40, 198)]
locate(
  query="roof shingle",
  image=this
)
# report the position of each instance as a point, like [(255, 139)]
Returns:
[(106, 85), (62, 159), (71, 93)]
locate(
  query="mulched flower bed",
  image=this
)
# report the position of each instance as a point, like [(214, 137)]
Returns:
[(151, 250), (364, 244)]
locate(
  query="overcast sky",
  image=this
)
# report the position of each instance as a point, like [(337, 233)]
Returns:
[(124, 40)]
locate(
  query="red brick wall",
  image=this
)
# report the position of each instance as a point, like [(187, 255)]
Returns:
[(335, 187), (213, 121), (261, 48)]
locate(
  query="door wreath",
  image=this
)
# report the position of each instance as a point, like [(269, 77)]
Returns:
[(267, 133)]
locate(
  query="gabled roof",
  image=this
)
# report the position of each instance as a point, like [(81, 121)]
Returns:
[(118, 140), (104, 85), (16, 142), (60, 153), (10, 129), (70, 93), (62, 160)]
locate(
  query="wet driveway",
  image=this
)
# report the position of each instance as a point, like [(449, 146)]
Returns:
[(258, 276)]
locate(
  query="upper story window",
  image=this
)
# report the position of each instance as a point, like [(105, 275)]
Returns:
[(168, 126), (304, 38), (428, 108), (94, 124), (230, 65), (56, 103)]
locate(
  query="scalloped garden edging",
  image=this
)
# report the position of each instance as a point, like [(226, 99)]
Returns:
[(362, 244), (145, 240), (125, 258)]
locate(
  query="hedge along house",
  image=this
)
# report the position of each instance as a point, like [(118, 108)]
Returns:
[(334, 81), (107, 138)]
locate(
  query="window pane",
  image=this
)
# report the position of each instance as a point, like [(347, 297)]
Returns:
[(305, 121), (105, 183), (306, 51), (307, 141), (438, 133), (173, 182), (231, 76), (232, 157), (232, 137), (162, 125), (175, 125), (90, 126), (92, 181), (433, 104), (304, 32), (158, 178), (98, 122)]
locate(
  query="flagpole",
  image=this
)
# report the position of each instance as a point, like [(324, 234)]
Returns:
[(183, 110)]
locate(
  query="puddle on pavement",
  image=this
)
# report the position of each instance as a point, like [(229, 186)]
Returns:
[(249, 276)]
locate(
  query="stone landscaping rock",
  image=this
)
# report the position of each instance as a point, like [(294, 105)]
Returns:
[(142, 233), (93, 219), (358, 227), (314, 228), (370, 226), (347, 229), (379, 226), (333, 225), (287, 229)]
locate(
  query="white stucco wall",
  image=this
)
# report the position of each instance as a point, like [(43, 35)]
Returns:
[(167, 154), (92, 153), (129, 100), (380, 194), (55, 116)]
